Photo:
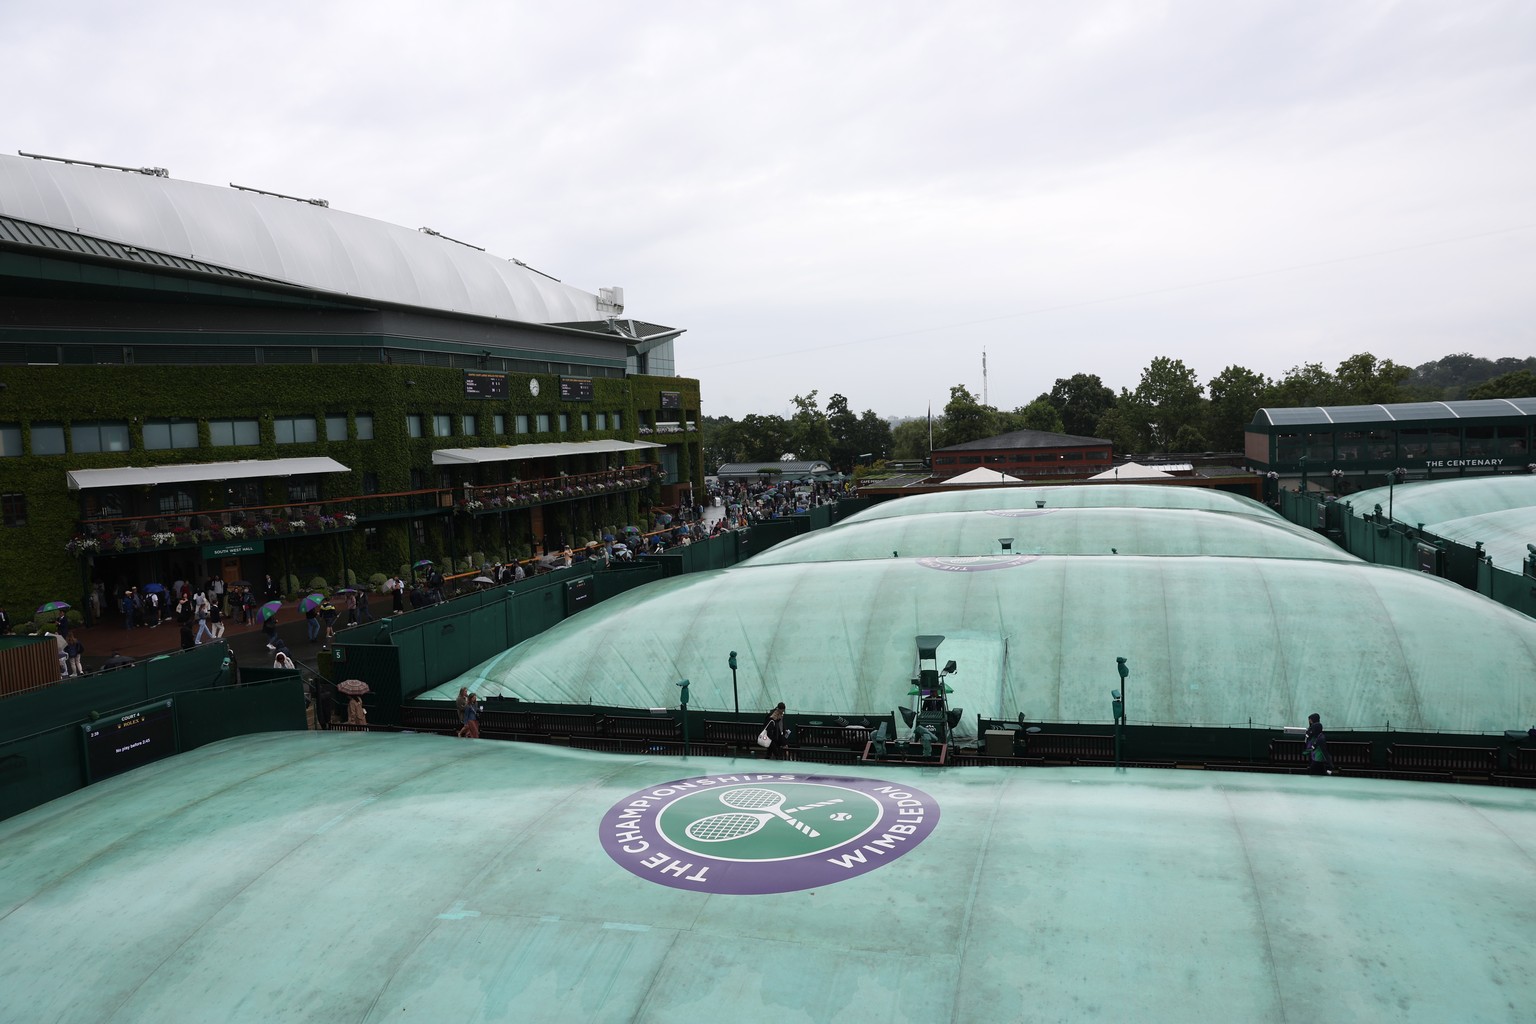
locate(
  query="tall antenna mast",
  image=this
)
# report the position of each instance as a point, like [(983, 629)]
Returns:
[(984, 377)]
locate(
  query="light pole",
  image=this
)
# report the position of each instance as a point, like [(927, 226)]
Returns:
[(1117, 707), (735, 696), (1392, 479), (684, 686)]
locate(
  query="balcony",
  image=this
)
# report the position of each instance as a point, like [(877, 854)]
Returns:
[(134, 534)]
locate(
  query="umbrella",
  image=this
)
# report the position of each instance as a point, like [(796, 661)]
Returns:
[(52, 606), (241, 583), (422, 564), (153, 588), (608, 537), (663, 519), (346, 590), (270, 609), (311, 602), (352, 687), (631, 529), (483, 579)]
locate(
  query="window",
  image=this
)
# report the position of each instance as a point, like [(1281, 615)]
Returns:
[(370, 482), (1381, 445), (99, 437), (233, 432), (172, 500), (1512, 441), (442, 425), (10, 441), (1287, 448), (1351, 446), (522, 423), (541, 423), (1414, 442), (565, 422), (47, 439), (616, 424), (1320, 447), (1445, 443), (602, 421), (418, 480), (172, 433), (303, 489), (294, 429), (586, 422), (244, 493), (499, 424), (365, 426), (336, 428), (413, 424), (471, 425), (371, 539), (13, 509)]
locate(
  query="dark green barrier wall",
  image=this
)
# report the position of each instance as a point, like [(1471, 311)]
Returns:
[(207, 716)]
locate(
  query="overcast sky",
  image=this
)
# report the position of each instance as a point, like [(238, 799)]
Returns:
[(859, 198)]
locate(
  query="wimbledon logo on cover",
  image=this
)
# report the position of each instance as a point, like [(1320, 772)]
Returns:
[(765, 832)]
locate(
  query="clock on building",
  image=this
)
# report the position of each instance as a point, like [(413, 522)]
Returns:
[(533, 387)]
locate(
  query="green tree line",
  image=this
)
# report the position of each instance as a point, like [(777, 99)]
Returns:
[(1169, 410)]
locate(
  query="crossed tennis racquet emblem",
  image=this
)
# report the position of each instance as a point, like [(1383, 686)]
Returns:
[(753, 808)]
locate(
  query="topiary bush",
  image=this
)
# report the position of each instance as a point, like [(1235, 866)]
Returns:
[(319, 585)]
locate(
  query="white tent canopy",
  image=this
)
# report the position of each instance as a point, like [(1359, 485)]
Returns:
[(196, 472), (513, 452), (1134, 471), (982, 475)]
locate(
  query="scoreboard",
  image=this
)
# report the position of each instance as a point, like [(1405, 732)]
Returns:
[(576, 389), (484, 385), (121, 742)]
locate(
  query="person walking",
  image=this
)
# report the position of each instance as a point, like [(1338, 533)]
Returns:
[(1316, 747), (396, 595), (778, 732), (216, 620)]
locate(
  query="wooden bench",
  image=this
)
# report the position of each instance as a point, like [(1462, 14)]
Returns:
[(562, 724), (1481, 760), (1068, 746), (508, 723), (438, 720), (836, 737), (1523, 760), (732, 734), (657, 727), (1345, 753)]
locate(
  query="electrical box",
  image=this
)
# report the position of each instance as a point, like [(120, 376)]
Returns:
[(999, 742)]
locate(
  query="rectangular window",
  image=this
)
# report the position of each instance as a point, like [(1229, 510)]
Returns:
[(602, 421), (442, 425), (294, 429), (99, 437), (413, 424), (173, 433), (1512, 441), (541, 423), (47, 439), (522, 423), (499, 424), (10, 442), (225, 433), (1320, 447), (1414, 442), (471, 425), (418, 480), (616, 424), (586, 421), (565, 422), (244, 494), (303, 489), (1287, 448), (365, 426), (1480, 442), (370, 482), (371, 539), (1445, 443), (335, 428), (173, 500), (13, 509)]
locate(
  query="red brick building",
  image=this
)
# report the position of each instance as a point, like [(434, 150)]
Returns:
[(1028, 455)]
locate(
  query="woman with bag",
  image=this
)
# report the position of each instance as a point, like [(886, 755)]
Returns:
[(775, 734), (1316, 747)]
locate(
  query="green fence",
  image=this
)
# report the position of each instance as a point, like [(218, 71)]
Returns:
[(1377, 539), (42, 755)]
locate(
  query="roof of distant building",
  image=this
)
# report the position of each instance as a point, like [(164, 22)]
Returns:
[(1024, 439)]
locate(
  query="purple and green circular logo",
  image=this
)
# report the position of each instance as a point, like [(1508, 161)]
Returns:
[(765, 832), (976, 563)]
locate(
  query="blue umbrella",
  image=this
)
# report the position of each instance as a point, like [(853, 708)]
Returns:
[(607, 538), (152, 588)]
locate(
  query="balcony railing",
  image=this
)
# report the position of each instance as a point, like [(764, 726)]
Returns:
[(120, 534)]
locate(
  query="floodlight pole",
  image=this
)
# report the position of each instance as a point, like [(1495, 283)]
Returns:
[(735, 694), (684, 707), (1117, 706)]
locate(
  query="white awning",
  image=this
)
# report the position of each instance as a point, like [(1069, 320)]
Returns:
[(511, 452), (1136, 471), (195, 472), (982, 475)]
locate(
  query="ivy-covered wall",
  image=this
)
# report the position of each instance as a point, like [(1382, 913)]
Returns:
[(35, 567)]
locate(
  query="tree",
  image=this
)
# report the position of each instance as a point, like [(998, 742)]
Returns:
[(1520, 384), (762, 438), (1303, 386), (843, 425), (809, 435), (909, 439), (1237, 393), (1081, 399), (1362, 380), (1120, 426), (720, 437), (1168, 403), (871, 436), (965, 419), (1041, 414)]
